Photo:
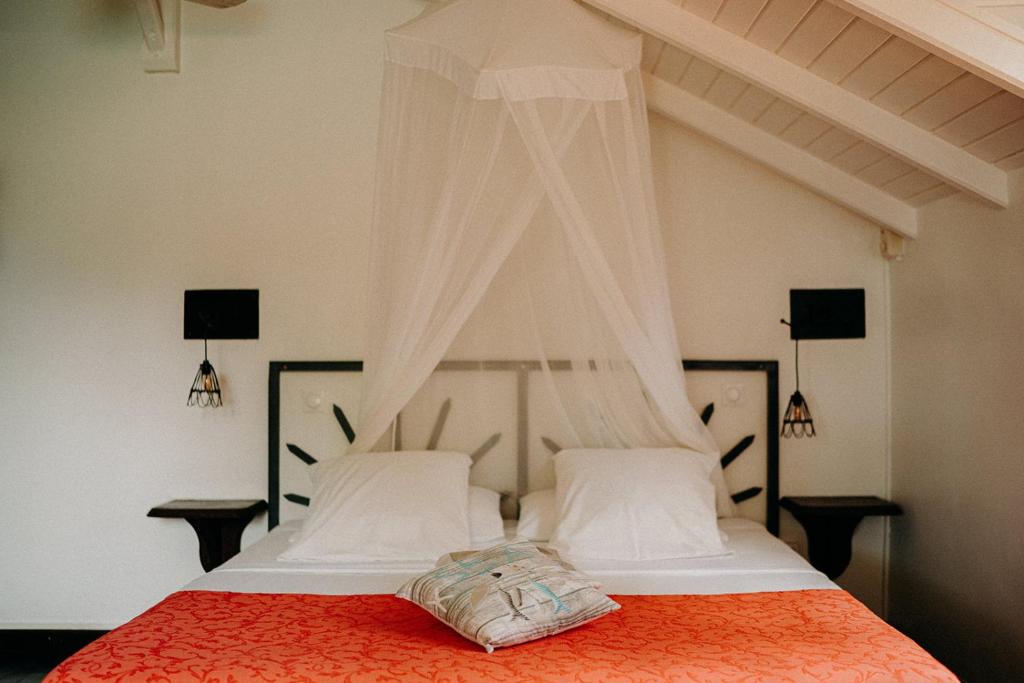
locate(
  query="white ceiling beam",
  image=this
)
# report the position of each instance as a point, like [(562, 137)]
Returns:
[(786, 80), (974, 39), (792, 162)]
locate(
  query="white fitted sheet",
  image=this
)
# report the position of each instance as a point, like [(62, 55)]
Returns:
[(757, 562)]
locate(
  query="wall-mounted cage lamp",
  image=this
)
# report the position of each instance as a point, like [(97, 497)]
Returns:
[(797, 421), (205, 391), (218, 314), (818, 314)]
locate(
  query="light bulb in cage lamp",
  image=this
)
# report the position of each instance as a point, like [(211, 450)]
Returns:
[(205, 391), (797, 421)]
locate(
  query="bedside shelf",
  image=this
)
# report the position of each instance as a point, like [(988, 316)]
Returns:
[(218, 524), (830, 522)]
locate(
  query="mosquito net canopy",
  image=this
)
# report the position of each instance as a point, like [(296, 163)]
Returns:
[(514, 217)]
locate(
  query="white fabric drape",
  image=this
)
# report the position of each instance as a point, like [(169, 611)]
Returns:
[(514, 140)]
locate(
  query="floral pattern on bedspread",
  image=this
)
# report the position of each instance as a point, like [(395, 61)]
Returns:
[(814, 635)]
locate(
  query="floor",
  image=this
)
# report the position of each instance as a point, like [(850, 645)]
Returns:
[(27, 656), (14, 669)]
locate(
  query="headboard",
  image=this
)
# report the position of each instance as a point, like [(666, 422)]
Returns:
[(310, 403)]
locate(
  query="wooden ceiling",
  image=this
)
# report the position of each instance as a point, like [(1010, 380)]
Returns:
[(802, 129), (865, 95), (871, 62)]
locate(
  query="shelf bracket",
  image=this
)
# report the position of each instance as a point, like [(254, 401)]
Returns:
[(160, 21)]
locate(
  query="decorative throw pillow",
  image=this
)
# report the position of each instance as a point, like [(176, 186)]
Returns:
[(508, 594)]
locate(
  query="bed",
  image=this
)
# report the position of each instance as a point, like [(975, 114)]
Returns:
[(759, 613)]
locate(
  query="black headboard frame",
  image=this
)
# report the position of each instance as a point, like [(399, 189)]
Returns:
[(523, 369)]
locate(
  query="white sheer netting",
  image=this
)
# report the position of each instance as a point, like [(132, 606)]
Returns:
[(515, 218)]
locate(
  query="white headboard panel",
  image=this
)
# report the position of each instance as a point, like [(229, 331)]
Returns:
[(506, 424)]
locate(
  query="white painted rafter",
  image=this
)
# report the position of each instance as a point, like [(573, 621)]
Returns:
[(800, 87), (972, 38), (792, 162)]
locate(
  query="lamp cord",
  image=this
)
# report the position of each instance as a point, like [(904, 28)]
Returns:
[(797, 363), (796, 353)]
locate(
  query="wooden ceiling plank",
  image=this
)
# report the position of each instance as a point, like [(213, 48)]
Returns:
[(705, 9), (737, 16), (992, 114), (778, 117), (1001, 143), (798, 87), (672, 63), (805, 130), (916, 85), (858, 42), (962, 94), (888, 63), (651, 52), (1011, 162), (726, 89), (885, 170), (911, 185), (777, 21), (928, 196), (801, 167), (970, 37), (752, 103), (833, 143), (858, 157), (698, 77), (822, 25)]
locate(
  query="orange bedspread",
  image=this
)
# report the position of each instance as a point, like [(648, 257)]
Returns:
[(816, 635)]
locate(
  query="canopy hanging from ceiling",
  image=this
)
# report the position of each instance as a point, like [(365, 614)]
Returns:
[(514, 201)]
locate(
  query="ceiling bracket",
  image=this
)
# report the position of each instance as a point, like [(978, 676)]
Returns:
[(893, 245), (161, 33)]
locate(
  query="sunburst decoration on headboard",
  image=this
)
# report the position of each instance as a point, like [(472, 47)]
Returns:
[(350, 435), (727, 459), (730, 455), (442, 418)]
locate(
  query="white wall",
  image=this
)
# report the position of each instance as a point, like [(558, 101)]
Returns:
[(958, 437), (253, 168), (119, 190), (738, 237)]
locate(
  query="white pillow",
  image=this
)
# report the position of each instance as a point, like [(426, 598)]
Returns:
[(723, 499), (372, 506), (635, 504), (538, 515), (486, 527)]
